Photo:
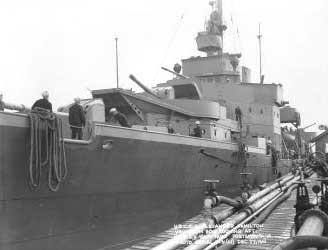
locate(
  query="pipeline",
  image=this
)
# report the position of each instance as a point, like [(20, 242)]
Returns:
[(178, 240), (231, 202), (314, 224), (215, 201), (247, 219), (46, 142), (262, 217), (300, 242), (203, 242)]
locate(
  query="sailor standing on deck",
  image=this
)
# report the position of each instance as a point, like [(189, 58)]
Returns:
[(76, 119), (119, 117), (238, 113), (2, 104), (43, 103), (197, 130), (170, 130)]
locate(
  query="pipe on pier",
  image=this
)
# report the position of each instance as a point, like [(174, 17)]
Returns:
[(300, 242), (178, 240), (262, 217), (270, 188), (230, 222), (209, 201), (314, 223)]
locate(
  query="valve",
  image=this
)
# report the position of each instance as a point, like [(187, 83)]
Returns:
[(245, 187), (210, 199), (211, 187)]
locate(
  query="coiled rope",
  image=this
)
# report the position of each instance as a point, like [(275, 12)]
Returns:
[(47, 150)]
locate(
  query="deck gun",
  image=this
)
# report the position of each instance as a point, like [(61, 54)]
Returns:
[(147, 90), (173, 72)]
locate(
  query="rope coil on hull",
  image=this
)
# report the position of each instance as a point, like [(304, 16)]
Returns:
[(47, 150)]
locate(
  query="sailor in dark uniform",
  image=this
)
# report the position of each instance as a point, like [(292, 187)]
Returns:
[(76, 119), (119, 117), (170, 130), (2, 104), (238, 113), (43, 103), (197, 130)]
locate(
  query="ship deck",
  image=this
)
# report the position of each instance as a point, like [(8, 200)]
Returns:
[(278, 226)]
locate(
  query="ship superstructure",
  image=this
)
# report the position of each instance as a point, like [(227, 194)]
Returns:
[(210, 88)]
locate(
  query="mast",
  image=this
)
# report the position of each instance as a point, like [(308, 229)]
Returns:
[(116, 62), (210, 41), (260, 51), (220, 13)]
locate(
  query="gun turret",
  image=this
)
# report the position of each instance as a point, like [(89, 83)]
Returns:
[(133, 78)]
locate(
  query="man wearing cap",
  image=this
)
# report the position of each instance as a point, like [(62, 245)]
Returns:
[(119, 117), (197, 130), (2, 104), (43, 103), (76, 119)]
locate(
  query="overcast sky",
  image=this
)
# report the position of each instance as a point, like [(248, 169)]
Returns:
[(67, 46)]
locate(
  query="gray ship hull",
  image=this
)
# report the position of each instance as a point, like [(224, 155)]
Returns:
[(142, 184)]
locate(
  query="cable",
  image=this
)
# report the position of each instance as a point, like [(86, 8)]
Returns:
[(171, 41)]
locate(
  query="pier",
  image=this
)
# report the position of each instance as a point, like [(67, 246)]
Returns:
[(270, 225)]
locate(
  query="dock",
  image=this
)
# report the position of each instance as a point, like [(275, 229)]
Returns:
[(279, 226)]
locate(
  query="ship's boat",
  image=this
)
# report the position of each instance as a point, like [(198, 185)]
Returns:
[(121, 184)]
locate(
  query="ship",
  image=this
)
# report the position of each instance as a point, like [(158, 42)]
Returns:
[(121, 184)]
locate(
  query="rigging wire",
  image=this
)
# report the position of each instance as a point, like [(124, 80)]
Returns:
[(178, 26), (235, 26), (237, 41)]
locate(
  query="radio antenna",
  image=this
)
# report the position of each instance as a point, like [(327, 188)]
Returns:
[(260, 51)]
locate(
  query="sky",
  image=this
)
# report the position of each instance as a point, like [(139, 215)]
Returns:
[(68, 46)]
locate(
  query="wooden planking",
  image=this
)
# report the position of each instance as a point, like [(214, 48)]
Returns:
[(168, 234)]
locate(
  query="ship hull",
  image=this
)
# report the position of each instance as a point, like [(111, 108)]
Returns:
[(112, 196)]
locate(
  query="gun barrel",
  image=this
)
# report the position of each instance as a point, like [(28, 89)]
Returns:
[(177, 74), (133, 78)]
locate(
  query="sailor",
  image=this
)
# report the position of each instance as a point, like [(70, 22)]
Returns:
[(238, 113), (170, 130), (76, 119), (2, 104), (119, 117), (43, 103), (197, 130)]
